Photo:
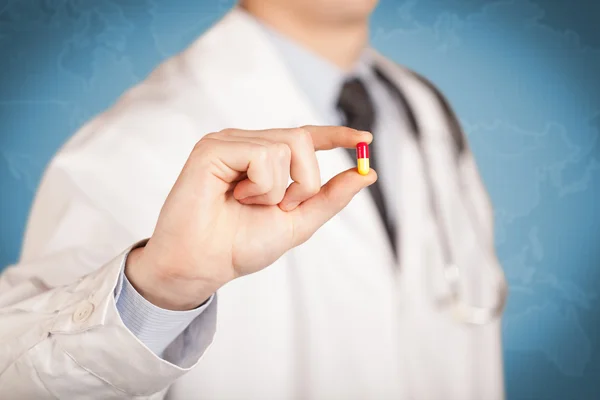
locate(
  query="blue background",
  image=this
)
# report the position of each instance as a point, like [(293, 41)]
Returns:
[(522, 75)]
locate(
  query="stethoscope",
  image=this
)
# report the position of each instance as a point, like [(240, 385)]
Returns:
[(455, 300)]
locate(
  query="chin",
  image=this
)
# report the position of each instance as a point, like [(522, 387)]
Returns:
[(343, 10)]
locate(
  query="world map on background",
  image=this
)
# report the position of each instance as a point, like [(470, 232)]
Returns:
[(523, 76)]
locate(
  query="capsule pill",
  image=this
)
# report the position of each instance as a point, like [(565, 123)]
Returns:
[(362, 158)]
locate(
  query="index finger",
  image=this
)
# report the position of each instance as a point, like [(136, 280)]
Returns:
[(331, 137)]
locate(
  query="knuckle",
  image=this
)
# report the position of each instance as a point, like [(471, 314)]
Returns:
[(302, 137), (227, 131), (204, 149), (261, 154), (282, 151), (205, 140), (211, 136), (201, 145), (203, 152)]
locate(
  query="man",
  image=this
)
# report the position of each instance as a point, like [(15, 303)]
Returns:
[(343, 293)]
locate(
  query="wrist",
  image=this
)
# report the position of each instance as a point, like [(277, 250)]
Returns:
[(156, 286)]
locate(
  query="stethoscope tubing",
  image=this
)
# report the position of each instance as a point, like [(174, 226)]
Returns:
[(460, 309)]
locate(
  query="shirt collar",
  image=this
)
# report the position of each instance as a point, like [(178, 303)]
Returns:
[(320, 79)]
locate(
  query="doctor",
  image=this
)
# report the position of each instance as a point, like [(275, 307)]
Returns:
[(324, 292)]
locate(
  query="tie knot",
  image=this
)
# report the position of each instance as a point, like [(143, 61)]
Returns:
[(356, 105)]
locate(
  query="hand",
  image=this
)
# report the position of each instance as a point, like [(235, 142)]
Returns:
[(231, 212)]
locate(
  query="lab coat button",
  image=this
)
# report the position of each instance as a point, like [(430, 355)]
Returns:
[(83, 312)]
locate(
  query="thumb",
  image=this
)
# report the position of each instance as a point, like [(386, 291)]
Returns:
[(331, 199)]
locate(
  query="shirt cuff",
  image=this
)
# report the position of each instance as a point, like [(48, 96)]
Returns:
[(155, 327)]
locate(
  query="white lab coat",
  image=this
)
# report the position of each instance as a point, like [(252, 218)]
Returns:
[(335, 318)]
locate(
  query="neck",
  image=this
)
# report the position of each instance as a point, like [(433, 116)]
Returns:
[(341, 44)]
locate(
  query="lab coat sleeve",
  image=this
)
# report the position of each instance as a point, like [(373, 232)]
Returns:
[(69, 341), (61, 335)]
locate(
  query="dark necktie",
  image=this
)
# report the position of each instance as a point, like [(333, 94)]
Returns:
[(356, 105)]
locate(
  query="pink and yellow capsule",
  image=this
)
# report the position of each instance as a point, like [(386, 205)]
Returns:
[(362, 158)]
